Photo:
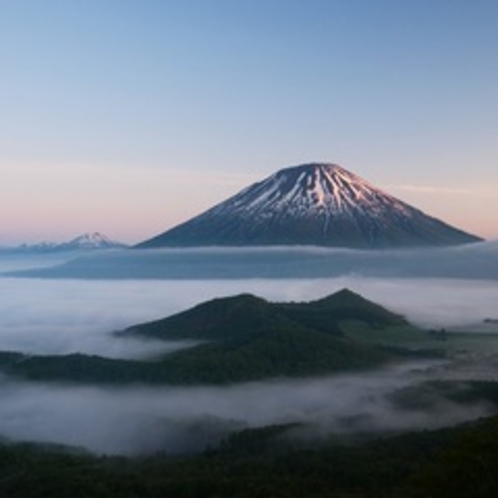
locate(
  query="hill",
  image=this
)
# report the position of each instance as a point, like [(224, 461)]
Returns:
[(243, 338), (245, 315)]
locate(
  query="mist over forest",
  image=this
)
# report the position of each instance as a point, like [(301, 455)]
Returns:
[(136, 420)]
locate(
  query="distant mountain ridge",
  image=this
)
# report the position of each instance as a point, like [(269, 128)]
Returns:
[(312, 204), (86, 241)]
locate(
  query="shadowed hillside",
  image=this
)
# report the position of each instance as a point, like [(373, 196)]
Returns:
[(243, 338), (236, 317)]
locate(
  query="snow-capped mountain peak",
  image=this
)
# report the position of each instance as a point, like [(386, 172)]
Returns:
[(84, 242), (93, 240), (313, 187), (312, 204)]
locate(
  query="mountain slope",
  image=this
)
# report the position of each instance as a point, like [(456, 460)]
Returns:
[(312, 204)]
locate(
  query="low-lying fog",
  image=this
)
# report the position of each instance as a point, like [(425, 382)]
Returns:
[(182, 420), (62, 316), (476, 261)]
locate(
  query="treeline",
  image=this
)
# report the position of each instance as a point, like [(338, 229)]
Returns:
[(451, 463), (282, 353)]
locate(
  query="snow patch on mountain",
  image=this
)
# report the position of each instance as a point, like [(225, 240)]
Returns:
[(309, 190)]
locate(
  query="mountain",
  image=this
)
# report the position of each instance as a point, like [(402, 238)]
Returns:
[(237, 339), (86, 241), (312, 204), (93, 240)]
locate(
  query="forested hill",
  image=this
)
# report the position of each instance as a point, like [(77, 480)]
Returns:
[(242, 338), (238, 316)]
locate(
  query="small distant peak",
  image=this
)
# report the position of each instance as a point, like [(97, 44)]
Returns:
[(92, 240)]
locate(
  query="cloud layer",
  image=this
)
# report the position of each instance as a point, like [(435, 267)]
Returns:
[(472, 261), (62, 316)]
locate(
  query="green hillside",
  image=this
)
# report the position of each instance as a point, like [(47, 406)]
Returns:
[(244, 338), (275, 353), (328, 314), (229, 319), (233, 318)]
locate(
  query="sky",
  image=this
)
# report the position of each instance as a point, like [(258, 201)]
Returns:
[(130, 116)]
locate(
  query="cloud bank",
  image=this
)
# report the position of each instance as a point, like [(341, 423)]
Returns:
[(473, 261), (64, 316)]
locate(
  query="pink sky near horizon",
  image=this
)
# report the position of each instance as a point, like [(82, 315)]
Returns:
[(131, 205)]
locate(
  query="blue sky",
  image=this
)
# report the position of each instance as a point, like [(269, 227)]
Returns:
[(129, 116)]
